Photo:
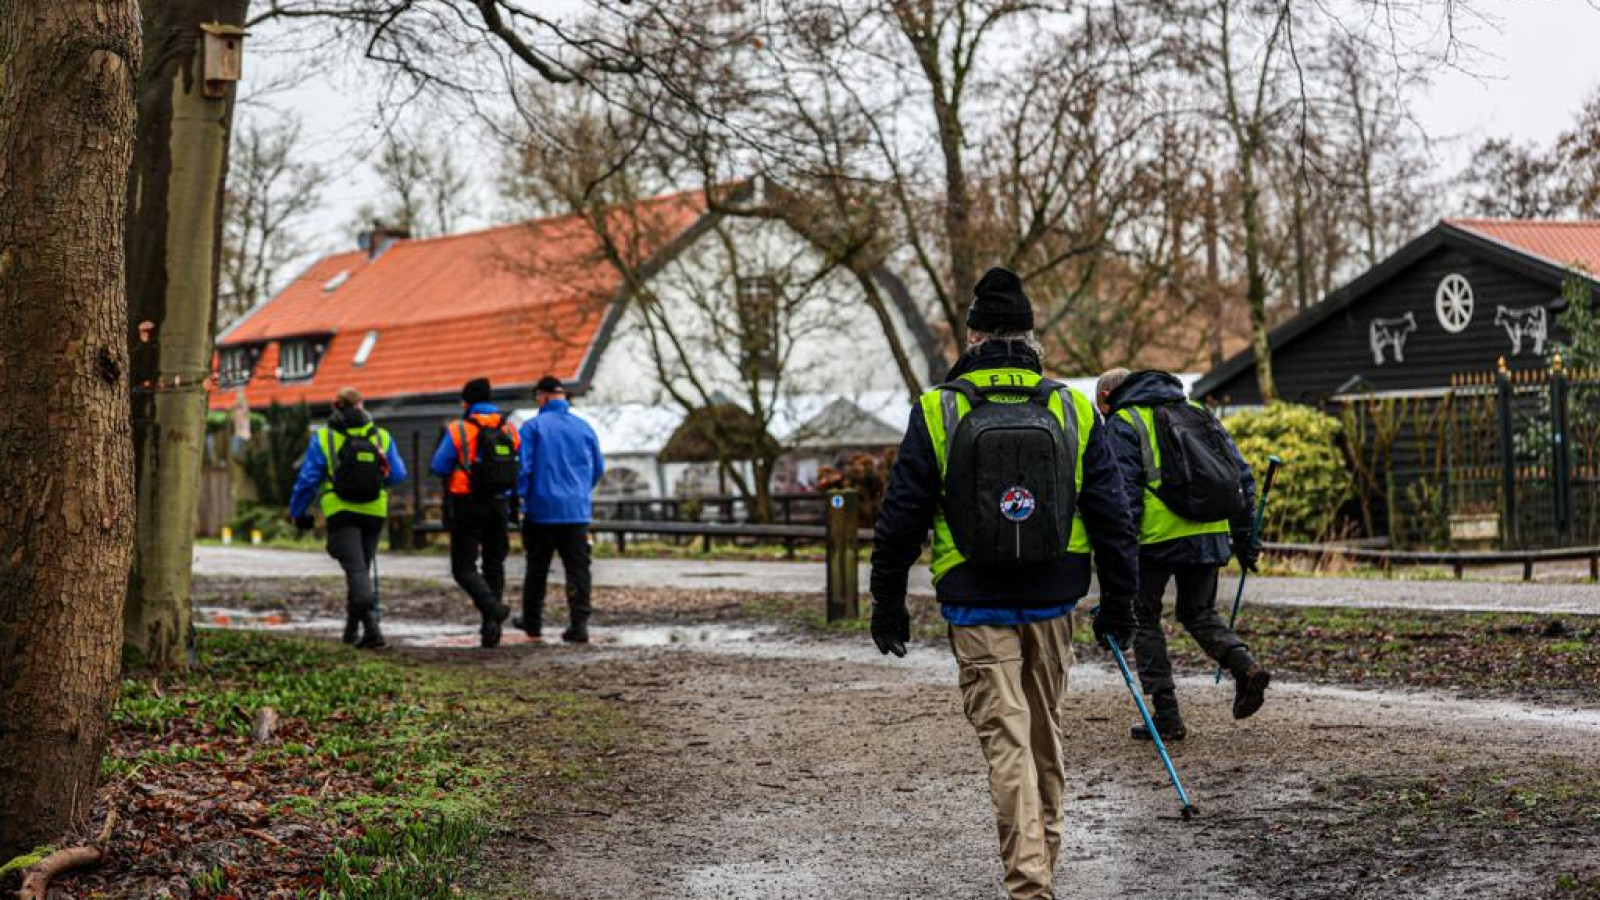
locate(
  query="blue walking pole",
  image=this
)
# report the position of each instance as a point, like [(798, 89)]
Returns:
[(1188, 812), (1255, 537)]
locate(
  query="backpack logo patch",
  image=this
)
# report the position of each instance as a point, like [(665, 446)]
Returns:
[(1017, 504)]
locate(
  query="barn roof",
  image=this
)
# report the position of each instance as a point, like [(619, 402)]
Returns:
[(514, 303), (1540, 249), (1563, 244)]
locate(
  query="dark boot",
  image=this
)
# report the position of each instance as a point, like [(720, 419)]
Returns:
[(352, 626), (576, 633), (371, 637), (521, 624), (494, 615), (1164, 712), (1249, 683)]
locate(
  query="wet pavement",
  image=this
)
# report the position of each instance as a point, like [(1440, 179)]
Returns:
[(811, 577), (777, 763)]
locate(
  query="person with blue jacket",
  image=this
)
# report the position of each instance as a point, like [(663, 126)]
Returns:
[(1009, 624), (1185, 552), (561, 465), (478, 459), (348, 470)]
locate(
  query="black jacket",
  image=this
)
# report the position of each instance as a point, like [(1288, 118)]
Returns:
[(1153, 389), (915, 492)]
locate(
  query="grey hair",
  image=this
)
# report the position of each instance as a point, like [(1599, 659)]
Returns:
[(1110, 381), (1026, 338)]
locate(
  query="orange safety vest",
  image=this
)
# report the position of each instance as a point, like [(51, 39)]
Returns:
[(464, 435)]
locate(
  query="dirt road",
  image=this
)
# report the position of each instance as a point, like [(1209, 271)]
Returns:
[(777, 763), (793, 577), (806, 769)]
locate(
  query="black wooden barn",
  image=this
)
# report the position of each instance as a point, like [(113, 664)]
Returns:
[(1455, 300)]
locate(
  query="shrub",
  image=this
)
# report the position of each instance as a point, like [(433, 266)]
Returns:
[(1314, 481)]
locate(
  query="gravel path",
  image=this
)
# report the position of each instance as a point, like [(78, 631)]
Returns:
[(799, 768), (807, 577)]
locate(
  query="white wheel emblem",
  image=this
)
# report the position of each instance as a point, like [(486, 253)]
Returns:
[(1453, 303)]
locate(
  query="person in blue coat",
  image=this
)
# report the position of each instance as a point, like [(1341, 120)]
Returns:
[(354, 512), (561, 465)]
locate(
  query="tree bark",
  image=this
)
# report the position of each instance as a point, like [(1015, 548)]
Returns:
[(66, 136), (174, 259)]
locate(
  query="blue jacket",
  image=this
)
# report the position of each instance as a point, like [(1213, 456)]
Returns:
[(1149, 389), (561, 464), (912, 500), (314, 471)]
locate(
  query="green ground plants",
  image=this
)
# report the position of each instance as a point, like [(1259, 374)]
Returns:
[(384, 777)]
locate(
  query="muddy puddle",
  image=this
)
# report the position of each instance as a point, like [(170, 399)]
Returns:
[(417, 633)]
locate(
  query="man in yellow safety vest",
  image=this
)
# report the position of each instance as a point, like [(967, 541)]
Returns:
[(348, 470), (1147, 412), (1015, 476)]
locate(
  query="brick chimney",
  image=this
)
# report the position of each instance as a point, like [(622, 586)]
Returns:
[(379, 238)]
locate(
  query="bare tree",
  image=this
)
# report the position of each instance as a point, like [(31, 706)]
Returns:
[(66, 137), (426, 192), (718, 319), (270, 193), (1519, 181)]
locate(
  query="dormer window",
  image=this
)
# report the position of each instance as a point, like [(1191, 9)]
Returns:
[(364, 351), (235, 365), (297, 360), (336, 282)]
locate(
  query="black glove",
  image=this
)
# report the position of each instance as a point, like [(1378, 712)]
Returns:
[(1114, 617), (304, 524), (1247, 550), (891, 626)]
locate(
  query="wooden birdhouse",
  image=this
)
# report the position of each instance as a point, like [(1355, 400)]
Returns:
[(224, 57)]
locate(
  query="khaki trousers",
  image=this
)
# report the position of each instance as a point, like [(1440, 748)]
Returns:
[(1013, 681)]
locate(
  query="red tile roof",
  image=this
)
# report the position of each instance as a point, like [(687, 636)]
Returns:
[(512, 303), (1559, 243)]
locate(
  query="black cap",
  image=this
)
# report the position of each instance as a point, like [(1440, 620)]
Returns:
[(549, 385), (999, 304), (476, 391)]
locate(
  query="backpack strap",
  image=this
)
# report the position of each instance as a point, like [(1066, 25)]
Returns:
[(950, 411), (458, 436)]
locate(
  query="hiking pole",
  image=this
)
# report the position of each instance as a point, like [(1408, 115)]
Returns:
[(1255, 537), (1188, 812)]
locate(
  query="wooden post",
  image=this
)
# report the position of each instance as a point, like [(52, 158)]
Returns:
[(843, 554), (1506, 394), (622, 543), (1561, 464)]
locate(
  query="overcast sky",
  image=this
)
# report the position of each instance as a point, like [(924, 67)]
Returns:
[(1534, 65)]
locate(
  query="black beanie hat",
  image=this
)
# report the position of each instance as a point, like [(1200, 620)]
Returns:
[(999, 304), (476, 391)]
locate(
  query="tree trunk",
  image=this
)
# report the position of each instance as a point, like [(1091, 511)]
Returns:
[(66, 136), (1219, 304), (174, 259), (1255, 278)]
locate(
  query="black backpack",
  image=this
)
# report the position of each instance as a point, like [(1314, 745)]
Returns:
[(1199, 478), (361, 467), (496, 462), (1009, 487)]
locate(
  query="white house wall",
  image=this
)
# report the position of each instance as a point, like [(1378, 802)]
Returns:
[(832, 342)]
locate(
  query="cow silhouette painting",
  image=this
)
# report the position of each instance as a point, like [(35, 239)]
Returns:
[(1391, 333), (1524, 323)]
